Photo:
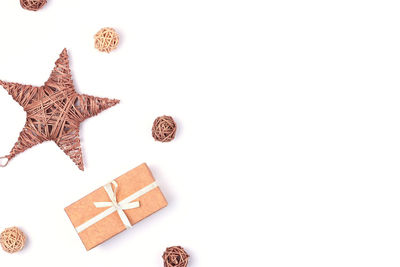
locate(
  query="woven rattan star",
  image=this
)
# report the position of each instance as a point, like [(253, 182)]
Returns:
[(54, 112)]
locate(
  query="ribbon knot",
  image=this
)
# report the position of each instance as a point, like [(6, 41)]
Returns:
[(113, 205), (117, 206)]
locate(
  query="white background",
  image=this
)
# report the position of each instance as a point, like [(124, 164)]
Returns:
[(288, 147)]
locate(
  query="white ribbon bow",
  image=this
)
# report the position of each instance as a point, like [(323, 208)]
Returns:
[(125, 204), (119, 207)]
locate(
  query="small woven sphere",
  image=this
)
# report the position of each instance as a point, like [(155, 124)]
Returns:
[(12, 240), (32, 5), (175, 257), (164, 129), (106, 40)]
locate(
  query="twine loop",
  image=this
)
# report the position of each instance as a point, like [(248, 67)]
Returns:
[(106, 40), (4, 164), (32, 5), (12, 240), (175, 257), (164, 129)]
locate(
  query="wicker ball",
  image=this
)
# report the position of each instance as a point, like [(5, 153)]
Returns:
[(175, 257), (164, 129), (32, 5), (106, 40), (12, 240)]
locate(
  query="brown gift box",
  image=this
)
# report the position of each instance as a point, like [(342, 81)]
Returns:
[(129, 183)]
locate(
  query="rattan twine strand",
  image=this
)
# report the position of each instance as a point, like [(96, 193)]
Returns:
[(12, 240), (106, 40), (175, 257), (54, 112), (164, 129), (32, 5)]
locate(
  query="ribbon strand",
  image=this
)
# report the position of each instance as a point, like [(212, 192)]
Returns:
[(115, 206)]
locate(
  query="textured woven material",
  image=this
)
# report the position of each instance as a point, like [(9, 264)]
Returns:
[(33, 5), (175, 257), (12, 240), (164, 129), (106, 40), (54, 112)]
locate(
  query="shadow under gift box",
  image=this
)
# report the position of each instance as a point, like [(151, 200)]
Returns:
[(129, 183)]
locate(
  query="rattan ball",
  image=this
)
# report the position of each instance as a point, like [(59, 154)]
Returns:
[(32, 5), (164, 129), (175, 257), (106, 40), (12, 240)]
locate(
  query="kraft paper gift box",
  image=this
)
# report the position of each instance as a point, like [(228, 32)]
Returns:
[(116, 206)]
